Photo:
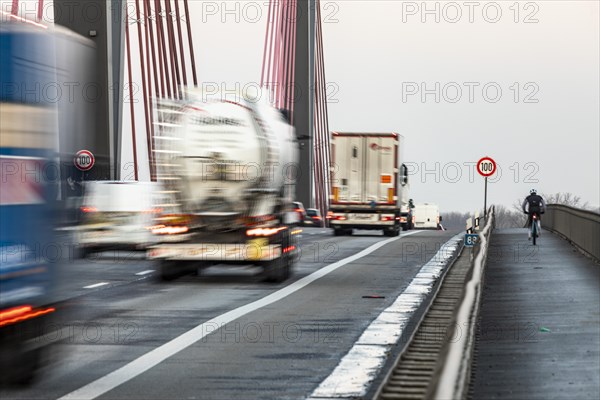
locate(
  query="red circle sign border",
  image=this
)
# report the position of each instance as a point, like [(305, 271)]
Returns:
[(493, 163), (87, 152)]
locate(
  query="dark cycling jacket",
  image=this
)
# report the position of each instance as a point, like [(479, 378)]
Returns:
[(534, 203)]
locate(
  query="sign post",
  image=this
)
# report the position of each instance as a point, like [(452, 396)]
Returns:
[(486, 167)]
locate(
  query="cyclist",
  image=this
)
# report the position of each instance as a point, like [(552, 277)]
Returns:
[(534, 203)]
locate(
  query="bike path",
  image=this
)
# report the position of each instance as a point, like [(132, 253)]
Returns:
[(539, 326)]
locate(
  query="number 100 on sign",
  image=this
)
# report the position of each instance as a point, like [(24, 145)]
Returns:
[(486, 166)]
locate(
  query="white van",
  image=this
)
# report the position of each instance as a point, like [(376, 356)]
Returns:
[(116, 215), (427, 216)]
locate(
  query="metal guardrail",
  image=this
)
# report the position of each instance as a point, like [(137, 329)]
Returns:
[(580, 227), (453, 379)]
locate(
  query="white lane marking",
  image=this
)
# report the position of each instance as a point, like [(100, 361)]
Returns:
[(357, 369), (95, 285), (146, 272), (154, 357)]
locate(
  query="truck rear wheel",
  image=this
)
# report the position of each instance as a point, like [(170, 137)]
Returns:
[(395, 231), (278, 270), (172, 269), (342, 232)]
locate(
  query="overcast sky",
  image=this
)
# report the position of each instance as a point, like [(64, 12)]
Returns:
[(517, 83), (543, 129)]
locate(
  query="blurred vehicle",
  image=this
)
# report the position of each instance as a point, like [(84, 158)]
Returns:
[(300, 211), (225, 165), (313, 218), (29, 192), (427, 216), (116, 215), (370, 188)]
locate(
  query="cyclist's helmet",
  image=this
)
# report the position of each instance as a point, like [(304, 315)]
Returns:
[(533, 191)]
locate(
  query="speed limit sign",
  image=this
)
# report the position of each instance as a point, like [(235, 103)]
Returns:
[(486, 167), (84, 160)]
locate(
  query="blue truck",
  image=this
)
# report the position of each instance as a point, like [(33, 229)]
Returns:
[(29, 182)]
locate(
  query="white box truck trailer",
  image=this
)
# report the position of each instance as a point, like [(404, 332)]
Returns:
[(369, 183)]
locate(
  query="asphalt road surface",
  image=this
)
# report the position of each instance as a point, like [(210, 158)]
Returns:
[(115, 311)]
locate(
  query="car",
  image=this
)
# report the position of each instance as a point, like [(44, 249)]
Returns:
[(313, 218), (301, 212)]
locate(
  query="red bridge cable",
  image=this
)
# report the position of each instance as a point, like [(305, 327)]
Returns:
[(181, 52), (148, 79), (176, 79), (131, 108), (163, 52), (190, 42), (146, 105), (149, 18)]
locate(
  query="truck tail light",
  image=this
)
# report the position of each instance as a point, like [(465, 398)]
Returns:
[(387, 218), (264, 231), (87, 209), (340, 217), (167, 230), (171, 224), (22, 313)]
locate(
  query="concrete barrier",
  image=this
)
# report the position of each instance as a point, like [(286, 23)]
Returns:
[(580, 227)]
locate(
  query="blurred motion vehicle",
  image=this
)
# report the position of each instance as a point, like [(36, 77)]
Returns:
[(301, 212), (313, 218), (29, 188), (427, 216), (228, 196), (116, 215), (369, 189)]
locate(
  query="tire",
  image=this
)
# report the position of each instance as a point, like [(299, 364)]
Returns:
[(30, 371), (82, 252), (25, 369), (395, 231), (338, 232), (166, 271), (278, 270), (534, 237), (170, 269)]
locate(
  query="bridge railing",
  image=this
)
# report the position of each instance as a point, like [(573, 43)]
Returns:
[(580, 227)]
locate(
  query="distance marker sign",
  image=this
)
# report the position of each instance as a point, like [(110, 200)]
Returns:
[(486, 167), (84, 160)]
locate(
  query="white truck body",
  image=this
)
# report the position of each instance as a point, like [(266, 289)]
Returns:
[(228, 172), (427, 216), (369, 182)]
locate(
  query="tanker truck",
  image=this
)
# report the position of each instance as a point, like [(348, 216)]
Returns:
[(227, 171)]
